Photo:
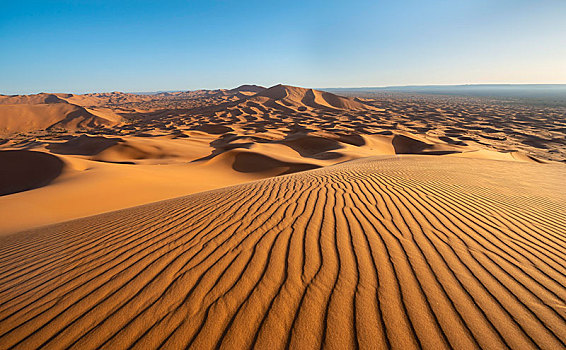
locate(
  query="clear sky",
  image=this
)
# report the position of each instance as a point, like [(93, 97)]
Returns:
[(124, 45)]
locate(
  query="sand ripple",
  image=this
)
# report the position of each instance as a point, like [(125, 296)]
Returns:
[(411, 252)]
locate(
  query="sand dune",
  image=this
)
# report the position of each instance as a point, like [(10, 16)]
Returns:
[(155, 147), (252, 162), (247, 88), (26, 170), (84, 145), (149, 167), (104, 99), (104, 173), (41, 98), (48, 111), (399, 252), (291, 96)]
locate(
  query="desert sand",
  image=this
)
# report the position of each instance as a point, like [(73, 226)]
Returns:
[(280, 217)]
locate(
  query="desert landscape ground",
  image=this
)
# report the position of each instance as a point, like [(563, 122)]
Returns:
[(281, 217)]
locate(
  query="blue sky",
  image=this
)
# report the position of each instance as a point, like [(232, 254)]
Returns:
[(88, 46)]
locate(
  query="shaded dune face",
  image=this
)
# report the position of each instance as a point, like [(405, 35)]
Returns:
[(292, 96), (84, 145), (408, 145), (376, 253), (26, 170), (249, 162), (309, 146)]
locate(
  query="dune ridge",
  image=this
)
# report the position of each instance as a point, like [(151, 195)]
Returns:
[(25, 113), (383, 252), (291, 96)]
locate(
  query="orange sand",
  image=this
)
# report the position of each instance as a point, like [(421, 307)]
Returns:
[(302, 221)]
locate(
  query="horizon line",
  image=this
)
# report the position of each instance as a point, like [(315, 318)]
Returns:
[(317, 88)]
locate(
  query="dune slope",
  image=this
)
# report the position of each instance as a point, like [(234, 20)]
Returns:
[(400, 252), (26, 113), (291, 96), (25, 170)]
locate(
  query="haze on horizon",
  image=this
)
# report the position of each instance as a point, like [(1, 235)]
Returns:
[(96, 46)]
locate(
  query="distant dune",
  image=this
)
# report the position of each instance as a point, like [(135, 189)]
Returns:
[(554, 94), (290, 96), (248, 88), (48, 111)]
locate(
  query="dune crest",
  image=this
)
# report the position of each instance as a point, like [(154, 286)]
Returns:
[(301, 98), (48, 111)]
